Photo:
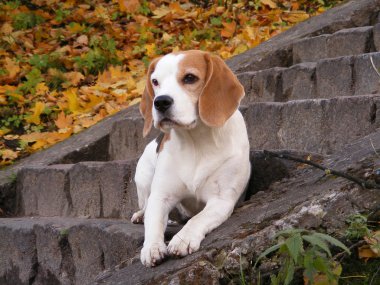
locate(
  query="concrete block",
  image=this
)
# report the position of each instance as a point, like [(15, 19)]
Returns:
[(366, 79), (310, 49), (44, 190), (334, 77), (298, 82), (347, 42)]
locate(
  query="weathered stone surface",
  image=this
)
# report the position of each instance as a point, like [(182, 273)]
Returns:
[(266, 85), (299, 82), (376, 36), (311, 125), (103, 189), (303, 200), (310, 49), (64, 250), (245, 79), (347, 42), (126, 139), (351, 14), (44, 190), (366, 79), (334, 77)]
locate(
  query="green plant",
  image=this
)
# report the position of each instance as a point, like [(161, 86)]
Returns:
[(101, 54), (357, 227), (302, 249), (32, 79), (23, 21)]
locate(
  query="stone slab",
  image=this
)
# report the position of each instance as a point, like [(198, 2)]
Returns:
[(318, 125), (366, 79), (105, 190), (335, 77), (44, 190), (310, 49), (126, 139), (64, 250), (299, 82), (353, 41)]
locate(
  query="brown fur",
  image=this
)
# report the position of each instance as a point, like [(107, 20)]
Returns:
[(161, 140)]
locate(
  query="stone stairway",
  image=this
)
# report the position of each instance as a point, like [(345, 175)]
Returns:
[(313, 90)]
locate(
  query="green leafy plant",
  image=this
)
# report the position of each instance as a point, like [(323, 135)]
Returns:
[(24, 21), (357, 227), (307, 250), (32, 79)]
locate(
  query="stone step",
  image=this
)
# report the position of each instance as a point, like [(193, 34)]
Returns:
[(64, 250), (326, 78), (85, 189)]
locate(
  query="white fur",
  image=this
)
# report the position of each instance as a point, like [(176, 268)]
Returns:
[(201, 170)]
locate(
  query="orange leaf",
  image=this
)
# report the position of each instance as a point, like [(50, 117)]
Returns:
[(295, 17), (9, 154), (269, 3), (229, 29), (129, 6), (63, 121), (12, 67)]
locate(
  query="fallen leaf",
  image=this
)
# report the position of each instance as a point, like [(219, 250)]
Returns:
[(269, 3), (229, 29), (129, 6), (8, 154), (63, 121), (37, 111)]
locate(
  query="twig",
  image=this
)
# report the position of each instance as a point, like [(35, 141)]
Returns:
[(369, 184), (374, 275), (374, 149), (342, 254), (373, 65)]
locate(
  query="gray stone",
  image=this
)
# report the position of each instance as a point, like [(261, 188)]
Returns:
[(318, 125), (265, 86), (44, 190), (18, 252), (298, 82), (310, 49), (106, 190), (349, 42), (245, 79), (376, 36), (366, 79), (126, 139), (334, 77)]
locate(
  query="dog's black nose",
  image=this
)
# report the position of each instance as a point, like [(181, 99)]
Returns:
[(163, 102)]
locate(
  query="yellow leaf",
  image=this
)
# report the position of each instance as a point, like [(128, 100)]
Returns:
[(94, 101), (41, 89), (4, 131), (32, 137), (6, 29), (269, 3), (72, 99), (75, 28), (37, 110), (150, 49), (161, 12), (63, 121), (295, 17)]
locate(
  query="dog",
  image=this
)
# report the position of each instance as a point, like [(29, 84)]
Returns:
[(200, 164)]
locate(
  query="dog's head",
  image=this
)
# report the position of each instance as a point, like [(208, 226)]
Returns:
[(187, 86)]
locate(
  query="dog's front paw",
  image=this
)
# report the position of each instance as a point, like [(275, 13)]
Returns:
[(182, 245), (138, 217), (152, 254)]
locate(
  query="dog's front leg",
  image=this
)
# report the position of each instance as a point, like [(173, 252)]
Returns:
[(188, 240), (165, 194)]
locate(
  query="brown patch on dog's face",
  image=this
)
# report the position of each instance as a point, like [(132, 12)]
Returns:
[(192, 73), (161, 140)]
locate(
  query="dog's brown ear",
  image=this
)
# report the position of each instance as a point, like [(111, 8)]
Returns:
[(146, 103), (221, 95)]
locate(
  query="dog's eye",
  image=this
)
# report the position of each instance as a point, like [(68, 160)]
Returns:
[(155, 82), (189, 79)]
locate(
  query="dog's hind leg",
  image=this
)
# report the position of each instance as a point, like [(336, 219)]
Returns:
[(143, 178)]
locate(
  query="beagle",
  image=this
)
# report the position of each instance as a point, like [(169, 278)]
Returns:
[(200, 164)]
